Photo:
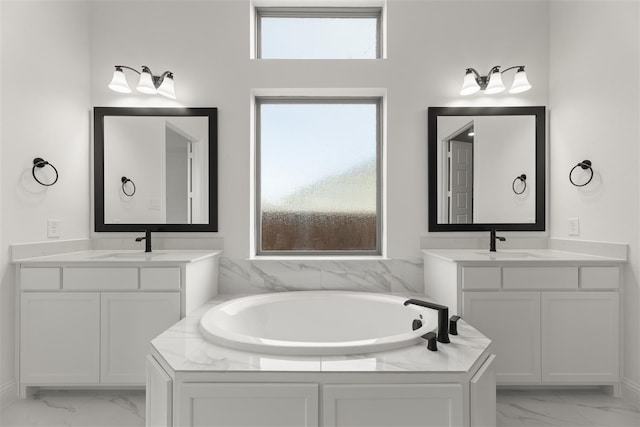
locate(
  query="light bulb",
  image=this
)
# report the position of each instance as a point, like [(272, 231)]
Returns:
[(167, 87), (520, 82), (495, 84), (469, 84), (145, 84), (119, 82)]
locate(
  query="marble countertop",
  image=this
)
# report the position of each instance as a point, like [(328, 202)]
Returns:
[(518, 255), (128, 257), (184, 349)]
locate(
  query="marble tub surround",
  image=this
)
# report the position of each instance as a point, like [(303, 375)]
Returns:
[(184, 349), (260, 276), (190, 379)]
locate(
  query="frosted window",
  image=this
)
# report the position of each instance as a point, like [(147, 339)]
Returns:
[(318, 175), (335, 35)]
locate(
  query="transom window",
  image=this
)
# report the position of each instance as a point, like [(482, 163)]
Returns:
[(318, 33), (318, 183)]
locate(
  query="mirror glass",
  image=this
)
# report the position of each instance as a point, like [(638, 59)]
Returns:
[(155, 169), (486, 168)]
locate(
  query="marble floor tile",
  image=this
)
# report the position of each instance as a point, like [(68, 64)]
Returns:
[(566, 408), (113, 408)]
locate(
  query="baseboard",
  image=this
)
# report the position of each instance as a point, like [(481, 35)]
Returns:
[(631, 392), (8, 393)]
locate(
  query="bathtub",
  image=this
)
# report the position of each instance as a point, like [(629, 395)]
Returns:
[(316, 323)]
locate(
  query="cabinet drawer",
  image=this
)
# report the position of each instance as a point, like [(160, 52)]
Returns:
[(100, 278), (599, 277), (540, 277), (480, 278), (164, 278), (39, 278)]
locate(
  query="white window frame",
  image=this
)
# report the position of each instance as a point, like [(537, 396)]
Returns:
[(380, 191), (319, 12)]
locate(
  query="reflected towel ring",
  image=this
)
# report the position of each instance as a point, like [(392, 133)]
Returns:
[(40, 163), (585, 164), (124, 182), (522, 178)]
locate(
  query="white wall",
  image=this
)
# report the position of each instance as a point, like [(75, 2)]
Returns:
[(595, 111), (45, 100), (430, 43)]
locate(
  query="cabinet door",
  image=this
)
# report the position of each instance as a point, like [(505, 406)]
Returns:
[(59, 338), (398, 405), (512, 321), (580, 337), (130, 320), (247, 405)]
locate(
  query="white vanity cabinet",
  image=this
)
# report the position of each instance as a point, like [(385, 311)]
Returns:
[(552, 319), (88, 323)]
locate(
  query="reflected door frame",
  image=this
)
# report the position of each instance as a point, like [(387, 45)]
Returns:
[(445, 179)]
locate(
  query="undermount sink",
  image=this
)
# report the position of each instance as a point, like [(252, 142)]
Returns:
[(130, 255), (503, 255)]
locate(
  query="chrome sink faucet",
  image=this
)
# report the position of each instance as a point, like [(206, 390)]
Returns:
[(147, 240), (492, 240)]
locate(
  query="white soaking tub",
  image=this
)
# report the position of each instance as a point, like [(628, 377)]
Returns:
[(316, 323)]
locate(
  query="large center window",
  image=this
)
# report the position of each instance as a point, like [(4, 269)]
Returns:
[(318, 180)]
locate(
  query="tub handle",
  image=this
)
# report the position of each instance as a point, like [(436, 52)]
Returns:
[(453, 325), (432, 341)]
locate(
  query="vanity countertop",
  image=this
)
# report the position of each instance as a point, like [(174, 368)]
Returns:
[(184, 349), (520, 256), (120, 257)]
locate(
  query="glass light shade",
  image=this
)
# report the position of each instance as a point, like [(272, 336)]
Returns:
[(495, 83), (119, 82), (145, 85), (469, 84), (520, 82), (166, 88)]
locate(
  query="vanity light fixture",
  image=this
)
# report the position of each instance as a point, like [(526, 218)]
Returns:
[(492, 83), (148, 83)]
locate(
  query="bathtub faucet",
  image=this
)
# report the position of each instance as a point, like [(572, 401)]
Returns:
[(443, 317)]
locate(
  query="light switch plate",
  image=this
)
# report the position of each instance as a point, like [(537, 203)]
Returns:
[(574, 227), (53, 228)]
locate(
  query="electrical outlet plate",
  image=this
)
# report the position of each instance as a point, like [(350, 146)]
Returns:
[(574, 227), (53, 228)]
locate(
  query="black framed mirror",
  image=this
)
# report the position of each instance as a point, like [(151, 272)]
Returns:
[(155, 169), (486, 168)]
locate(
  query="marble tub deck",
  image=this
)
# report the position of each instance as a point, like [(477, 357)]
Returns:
[(185, 350), (566, 408)]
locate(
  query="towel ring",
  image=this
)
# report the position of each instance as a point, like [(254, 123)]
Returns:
[(585, 164), (522, 178), (40, 163), (124, 182)]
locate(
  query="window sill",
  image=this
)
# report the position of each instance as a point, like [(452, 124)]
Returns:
[(319, 258)]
